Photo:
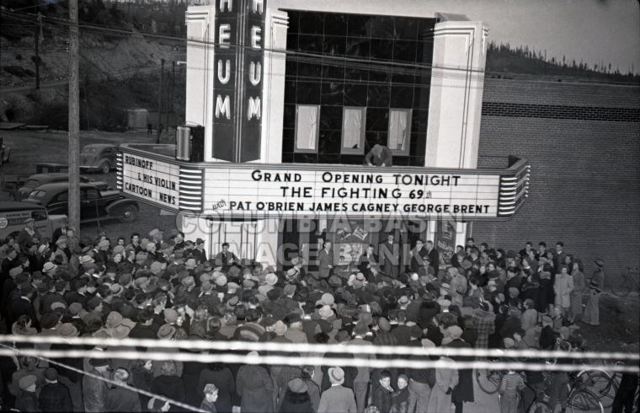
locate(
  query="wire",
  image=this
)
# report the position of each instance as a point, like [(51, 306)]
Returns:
[(464, 71), (357, 361), (9, 351), (317, 348)]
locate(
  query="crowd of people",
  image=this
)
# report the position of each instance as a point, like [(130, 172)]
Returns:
[(162, 286)]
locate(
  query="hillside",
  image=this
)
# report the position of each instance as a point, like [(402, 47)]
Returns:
[(504, 61)]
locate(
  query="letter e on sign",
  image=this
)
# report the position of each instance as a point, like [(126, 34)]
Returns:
[(224, 35), (256, 37)]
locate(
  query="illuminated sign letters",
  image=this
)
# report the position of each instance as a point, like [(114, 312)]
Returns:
[(238, 54), (151, 180)]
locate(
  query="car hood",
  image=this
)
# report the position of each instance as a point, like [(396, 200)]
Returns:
[(33, 201)]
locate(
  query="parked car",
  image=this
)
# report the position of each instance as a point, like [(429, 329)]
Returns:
[(14, 214), (5, 152), (95, 205), (51, 167), (36, 180), (98, 157)]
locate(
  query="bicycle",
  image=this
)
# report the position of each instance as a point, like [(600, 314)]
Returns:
[(623, 284), (602, 383), (489, 379)]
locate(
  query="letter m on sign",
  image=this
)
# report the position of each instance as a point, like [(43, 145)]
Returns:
[(254, 108)]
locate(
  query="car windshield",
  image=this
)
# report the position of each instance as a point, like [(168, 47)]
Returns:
[(37, 194), (32, 183), (89, 150)]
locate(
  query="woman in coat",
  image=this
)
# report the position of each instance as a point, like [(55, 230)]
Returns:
[(579, 288), (296, 399), (255, 388), (169, 384), (446, 381), (562, 288), (463, 392), (596, 285)]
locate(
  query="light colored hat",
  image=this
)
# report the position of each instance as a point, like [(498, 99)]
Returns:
[(271, 279), (327, 299), (27, 381), (455, 332), (280, 328), (154, 232), (166, 332), (114, 319), (67, 330), (325, 312), (120, 332), (221, 281), (85, 259), (49, 266), (336, 375), (18, 270)]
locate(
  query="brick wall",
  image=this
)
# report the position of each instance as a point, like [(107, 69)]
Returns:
[(585, 173)]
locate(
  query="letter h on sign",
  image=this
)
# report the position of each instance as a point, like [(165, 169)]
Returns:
[(238, 54)]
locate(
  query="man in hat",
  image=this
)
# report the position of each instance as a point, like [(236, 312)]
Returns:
[(225, 258), (94, 389), (27, 400), (389, 255), (337, 398), (54, 396), (28, 234), (198, 252), (120, 399)]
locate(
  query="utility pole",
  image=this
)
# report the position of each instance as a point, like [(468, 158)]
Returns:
[(74, 119), (160, 100), (38, 29), (170, 98)]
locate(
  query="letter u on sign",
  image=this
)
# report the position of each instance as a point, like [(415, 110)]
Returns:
[(224, 74), (255, 73)]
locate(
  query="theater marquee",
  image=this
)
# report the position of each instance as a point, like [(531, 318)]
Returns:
[(290, 190)]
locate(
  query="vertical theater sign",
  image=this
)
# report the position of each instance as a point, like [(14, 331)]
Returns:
[(238, 67)]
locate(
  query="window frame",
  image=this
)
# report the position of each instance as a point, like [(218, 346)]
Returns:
[(296, 149), (400, 152), (350, 151)]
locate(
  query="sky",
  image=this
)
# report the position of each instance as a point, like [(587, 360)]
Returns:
[(592, 30)]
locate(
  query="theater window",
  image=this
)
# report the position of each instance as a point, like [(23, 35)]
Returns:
[(353, 121), (307, 124), (399, 131)]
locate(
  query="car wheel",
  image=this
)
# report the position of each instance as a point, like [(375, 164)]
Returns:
[(105, 168), (128, 213)]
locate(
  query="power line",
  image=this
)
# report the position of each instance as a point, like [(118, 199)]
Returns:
[(378, 65)]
